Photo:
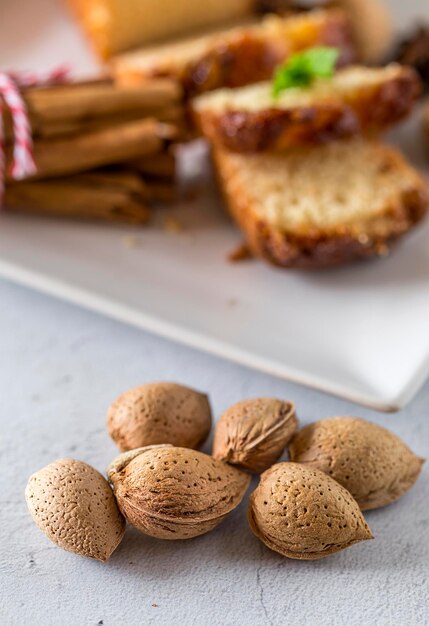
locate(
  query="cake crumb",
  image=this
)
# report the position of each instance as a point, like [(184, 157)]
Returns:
[(383, 250), (241, 253), (172, 225)]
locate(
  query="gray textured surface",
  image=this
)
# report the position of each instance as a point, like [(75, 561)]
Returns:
[(60, 367)]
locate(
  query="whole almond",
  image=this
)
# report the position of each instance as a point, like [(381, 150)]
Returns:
[(368, 460), (304, 514), (175, 493), (253, 434), (75, 507), (159, 413)]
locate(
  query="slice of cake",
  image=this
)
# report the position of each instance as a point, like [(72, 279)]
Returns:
[(323, 206), (117, 25), (237, 56), (355, 100)]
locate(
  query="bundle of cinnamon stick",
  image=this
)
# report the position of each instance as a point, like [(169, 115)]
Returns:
[(102, 151)]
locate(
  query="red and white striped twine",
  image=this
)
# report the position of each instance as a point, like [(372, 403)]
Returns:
[(11, 84)]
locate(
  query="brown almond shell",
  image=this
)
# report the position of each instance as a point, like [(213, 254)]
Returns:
[(175, 493), (375, 465), (158, 413), (74, 506), (254, 433), (304, 514)]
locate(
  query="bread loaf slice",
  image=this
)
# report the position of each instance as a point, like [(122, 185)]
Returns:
[(356, 100), (237, 56), (118, 25), (324, 206)]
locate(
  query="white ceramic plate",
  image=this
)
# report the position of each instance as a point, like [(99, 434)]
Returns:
[(361, 332)]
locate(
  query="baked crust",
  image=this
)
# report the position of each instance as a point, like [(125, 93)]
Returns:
[(251, 59), (371, 109), (240, 57), (319, 249)]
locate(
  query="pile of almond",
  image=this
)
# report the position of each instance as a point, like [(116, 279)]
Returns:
[(307, 508)]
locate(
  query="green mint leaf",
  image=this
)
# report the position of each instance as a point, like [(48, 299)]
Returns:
[(302, 69), (321, 61)]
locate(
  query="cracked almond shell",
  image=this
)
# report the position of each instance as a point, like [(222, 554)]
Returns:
[(159, 413), (74, 506), (304, 514), (175, 493), (370, 461), (253, 434)]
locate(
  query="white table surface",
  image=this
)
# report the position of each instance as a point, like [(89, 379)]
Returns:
[(59, 369), (86, 264)]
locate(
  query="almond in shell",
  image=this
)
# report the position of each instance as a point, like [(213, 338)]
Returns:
[(370, 461), (304, 514), (74, 506), (158, 413), (175, 493), (253, 434)]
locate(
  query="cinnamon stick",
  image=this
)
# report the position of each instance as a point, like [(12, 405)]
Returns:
[(66, 109), (112, 200), (91, 150), (160, 191), (62, 128), (151, 188), (161, 165), (92, 100), (124, 180)]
